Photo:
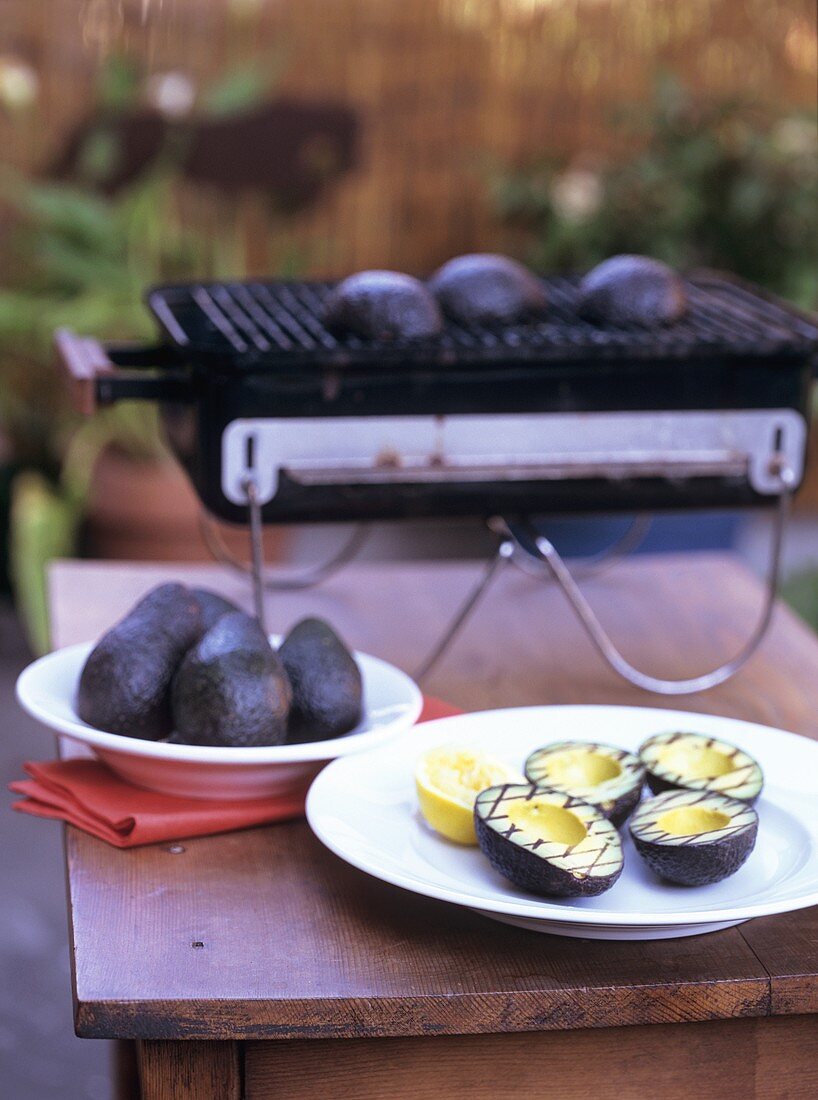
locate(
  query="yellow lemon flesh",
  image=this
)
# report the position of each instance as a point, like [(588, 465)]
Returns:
[(448, 780)]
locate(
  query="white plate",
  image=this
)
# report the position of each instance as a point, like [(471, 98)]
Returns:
[(365, 810), (47, 689)]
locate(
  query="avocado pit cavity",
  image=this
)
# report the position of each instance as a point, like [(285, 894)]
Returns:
[(695, 762), (552, 823), (692, 821), (577, 768)]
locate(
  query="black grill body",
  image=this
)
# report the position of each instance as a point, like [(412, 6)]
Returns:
[(259, 351)]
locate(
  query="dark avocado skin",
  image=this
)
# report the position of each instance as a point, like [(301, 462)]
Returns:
[(231, 689), (698, 864), (383, 305), (622, 808), (326, 682), (658, 785), (125, 685), (212, 607), (486, 289), (632, 290), (534, 873)]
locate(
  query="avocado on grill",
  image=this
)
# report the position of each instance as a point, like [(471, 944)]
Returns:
[(694, 762), (231, 689), (383, 305), (694, 838), (632, 290), (547, 842), (326, 682), (125, 683), (485, 289), (606, 777)]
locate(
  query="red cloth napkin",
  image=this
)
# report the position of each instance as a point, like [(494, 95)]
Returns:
[(86, 793)]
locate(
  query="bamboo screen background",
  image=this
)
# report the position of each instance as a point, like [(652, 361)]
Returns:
[(442, 88)]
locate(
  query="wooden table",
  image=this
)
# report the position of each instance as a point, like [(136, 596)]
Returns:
[(289, 974)]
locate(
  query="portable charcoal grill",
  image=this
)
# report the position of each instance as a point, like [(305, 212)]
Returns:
[(278, 419)]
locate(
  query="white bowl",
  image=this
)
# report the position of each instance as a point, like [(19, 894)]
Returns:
[(47, 689)]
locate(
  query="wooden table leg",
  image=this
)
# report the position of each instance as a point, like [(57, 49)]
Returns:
[(126, 1074), (189, 1070)]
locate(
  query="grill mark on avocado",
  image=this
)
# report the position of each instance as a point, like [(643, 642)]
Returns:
[(693, 784), (743, 821), (563, 800), (490, 816), (590, 868), (712, 834), (548, 867), (597, 853), (699, 858), (742, 781), (615, 797), (734, 772), (568, 801)]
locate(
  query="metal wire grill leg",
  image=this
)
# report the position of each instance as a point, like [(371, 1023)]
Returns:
[(256, 549), (349, 550), (503, 554), (526, 537)]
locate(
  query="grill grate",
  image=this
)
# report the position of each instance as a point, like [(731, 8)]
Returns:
[(278, 323)]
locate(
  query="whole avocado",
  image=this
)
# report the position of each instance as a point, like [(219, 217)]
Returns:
[(632, 290), (231, 689), (125, 684), (212, 607), (486, 289), (326, 682), (383, 305)]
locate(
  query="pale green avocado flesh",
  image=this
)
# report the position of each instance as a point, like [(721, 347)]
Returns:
[(692, 761), (608, 778)]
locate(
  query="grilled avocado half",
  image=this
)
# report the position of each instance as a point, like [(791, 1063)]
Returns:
[(608, 778), (546, 841), (694, 838), (691, 761)]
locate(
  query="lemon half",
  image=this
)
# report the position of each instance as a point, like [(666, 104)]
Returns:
[(448, 780)]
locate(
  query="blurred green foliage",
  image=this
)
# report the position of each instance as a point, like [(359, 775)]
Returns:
[(82, 260), (729, 185), (801, 593), (74, 256)]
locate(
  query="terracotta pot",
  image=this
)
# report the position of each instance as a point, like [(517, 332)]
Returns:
[(143, 510)]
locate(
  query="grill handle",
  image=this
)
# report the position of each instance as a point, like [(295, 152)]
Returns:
[(96, 378)]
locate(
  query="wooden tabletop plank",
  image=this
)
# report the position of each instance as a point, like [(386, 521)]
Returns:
[(788, 946), (296, 943)]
